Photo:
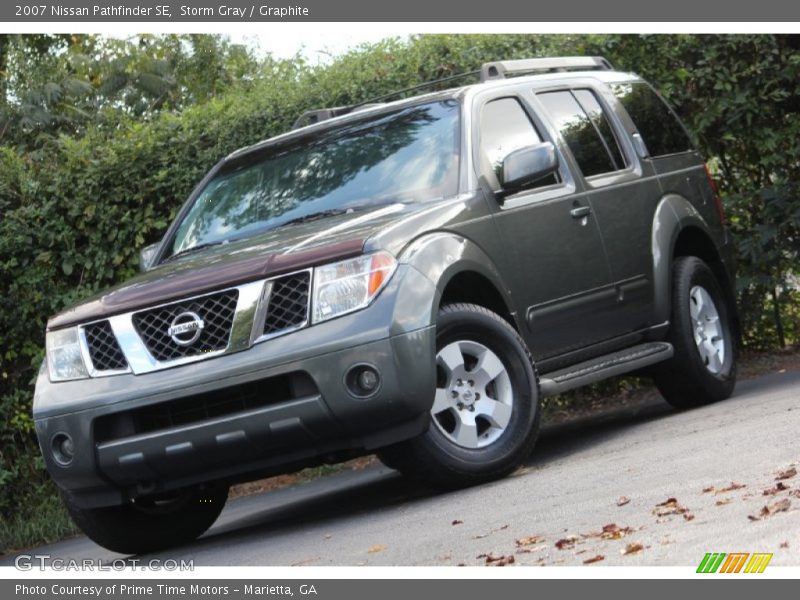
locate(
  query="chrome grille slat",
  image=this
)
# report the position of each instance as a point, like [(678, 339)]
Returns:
[(217, 311), (234, 319)]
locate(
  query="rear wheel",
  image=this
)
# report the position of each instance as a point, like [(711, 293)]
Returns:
[(151, 523), (703, 369), (485, 413)]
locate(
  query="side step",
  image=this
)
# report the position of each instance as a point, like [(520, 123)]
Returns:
[(602, 367)]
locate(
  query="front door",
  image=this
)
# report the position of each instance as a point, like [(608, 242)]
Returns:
[(555, 263)]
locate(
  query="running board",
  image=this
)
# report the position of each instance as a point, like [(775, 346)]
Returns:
[(602, 367)]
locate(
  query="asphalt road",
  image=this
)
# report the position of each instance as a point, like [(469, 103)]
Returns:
[(569, 490)]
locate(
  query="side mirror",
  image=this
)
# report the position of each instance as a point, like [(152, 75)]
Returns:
[(528, 164), (146, 256)]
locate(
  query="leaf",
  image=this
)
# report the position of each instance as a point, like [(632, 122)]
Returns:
[(499, 561), (632, 549), (779, 487), (669, 507), (376, 548), (787, 474), (612, 531), (733, 486), (594, 559), (772, 509), (566, 543), (529, 541), (456, 522), (623, 500)]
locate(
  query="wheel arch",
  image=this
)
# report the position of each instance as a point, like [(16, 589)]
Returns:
[(680, 230), (462, 272)]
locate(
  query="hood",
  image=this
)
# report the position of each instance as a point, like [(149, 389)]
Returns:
[(277, 251)]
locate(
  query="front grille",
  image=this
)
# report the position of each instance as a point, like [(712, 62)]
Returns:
[(216, 311), (104, 349), (288, 303), (202, 407)]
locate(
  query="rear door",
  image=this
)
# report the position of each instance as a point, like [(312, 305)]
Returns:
[(621, 191)]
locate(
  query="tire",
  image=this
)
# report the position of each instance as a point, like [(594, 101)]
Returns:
[(703, 369), (150, 524), (485, 378)]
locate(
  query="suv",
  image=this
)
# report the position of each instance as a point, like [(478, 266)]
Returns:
[(409, 278)]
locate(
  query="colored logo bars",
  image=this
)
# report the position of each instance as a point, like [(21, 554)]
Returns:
[(719, 562)]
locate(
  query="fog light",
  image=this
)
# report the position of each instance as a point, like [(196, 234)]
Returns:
[(363, 380), (63, 448), (368, 380)]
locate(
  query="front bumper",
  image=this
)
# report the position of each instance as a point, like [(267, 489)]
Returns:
[(276, 407)]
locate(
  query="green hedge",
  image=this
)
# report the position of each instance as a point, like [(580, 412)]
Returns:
[(75, 214)]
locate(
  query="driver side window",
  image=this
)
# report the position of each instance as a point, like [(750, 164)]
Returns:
[(506, 127)]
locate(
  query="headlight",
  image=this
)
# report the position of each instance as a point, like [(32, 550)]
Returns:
[(349, 285), (64, 358)]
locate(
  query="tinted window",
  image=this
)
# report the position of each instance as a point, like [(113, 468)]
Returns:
[(595, 112), (408, 155), (505, 127), (657, 124), (582, 136)]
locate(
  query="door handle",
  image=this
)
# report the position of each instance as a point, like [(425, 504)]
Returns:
[(580, 212)]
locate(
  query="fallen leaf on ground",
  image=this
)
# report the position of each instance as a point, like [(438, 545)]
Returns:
[(669, 507), (723, 502), (594, 559), (771, 509), (632, 549), (612, 531), (499, 561), (623, 500), (729, 488), (531, 549), (456, 522), (779, 487), (787, 474), (376, 548), (733, 486), (529, 541), (688, 517), (566, 543), (784, 544), (483, 535)]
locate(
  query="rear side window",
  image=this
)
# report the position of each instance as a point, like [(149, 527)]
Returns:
[(660, 129), (585, 129), (505, 127)]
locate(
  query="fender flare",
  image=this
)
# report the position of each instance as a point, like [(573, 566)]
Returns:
[(673, 215), (440, 256)]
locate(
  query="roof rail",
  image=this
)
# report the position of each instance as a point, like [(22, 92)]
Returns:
[(315, 116), (322, 114), (506, 68)]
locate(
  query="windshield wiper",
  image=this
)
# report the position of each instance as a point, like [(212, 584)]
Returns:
[(315, 216), (192, 250)]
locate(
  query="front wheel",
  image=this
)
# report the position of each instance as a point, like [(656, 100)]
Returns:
[(703, 369), (150, 524), (485, 413)]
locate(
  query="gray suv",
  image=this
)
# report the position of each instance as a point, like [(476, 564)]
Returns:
[(408, 278)]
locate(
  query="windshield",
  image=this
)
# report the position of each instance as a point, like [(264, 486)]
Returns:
[(405, 156)]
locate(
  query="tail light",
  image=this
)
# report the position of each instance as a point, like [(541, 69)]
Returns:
[(717, 197)]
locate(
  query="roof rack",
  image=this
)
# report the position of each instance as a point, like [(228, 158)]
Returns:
[(488, 72), (506, 68), (315, 116)]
